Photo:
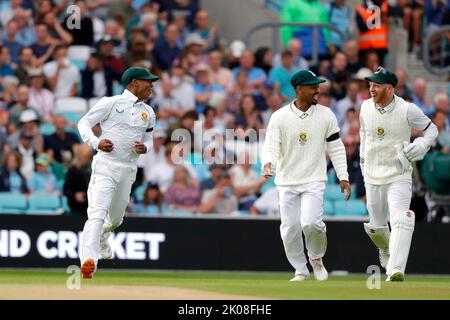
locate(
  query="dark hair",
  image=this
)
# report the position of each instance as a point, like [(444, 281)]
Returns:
[(191, 114), (23, 48), (207, 109)]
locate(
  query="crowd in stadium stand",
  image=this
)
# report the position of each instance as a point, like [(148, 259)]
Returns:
[(224, 85)]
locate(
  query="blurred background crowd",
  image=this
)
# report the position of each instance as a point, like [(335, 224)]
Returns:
[(53, 68)]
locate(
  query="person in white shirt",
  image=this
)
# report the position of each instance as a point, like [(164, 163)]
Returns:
[(127, 124), (386, 155), (296, 140)]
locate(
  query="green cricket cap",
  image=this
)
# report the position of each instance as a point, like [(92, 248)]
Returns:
[(137, 73), (383, 76), (305, 77)]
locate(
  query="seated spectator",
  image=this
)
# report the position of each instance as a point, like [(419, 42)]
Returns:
[(219, 74), (106, 53), (5, 62), (255, 76), (204, 89), (153, 201), (246, 182), (221, 199), (9, 41), (56, 30), (354, 169), (363, 91), (263, 59), (29, 123), (338, 65), (351, 116), (21, 105), (402, 89), (9, 84), (43, 180), (183, 193), (77, 179), (155, 155), (351, 101), (11, 180), (28, 154), (234, 53), (443, 140), (25, 34), (371, 60), (274, 103), (210, 34), (263, 95), (248, 118), (61, 143), (84, 34), (97, 79), (27, 62), (166, 49), (111, 32), (61, 74), (193, 54), (266, 204), (441, 103), (351, 50), (44, 46), (295, 46), (40, 98), (241, 87), (281, 76), (139, 52), (3, 131), (210, 183), (419, 96)]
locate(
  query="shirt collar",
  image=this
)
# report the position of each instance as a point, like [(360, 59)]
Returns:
[(128, 95), (388, 108), (300, 113)]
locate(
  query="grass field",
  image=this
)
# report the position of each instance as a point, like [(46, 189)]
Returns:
[(39, 284)]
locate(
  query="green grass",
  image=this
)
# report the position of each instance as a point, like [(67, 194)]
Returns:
[(264, 285)]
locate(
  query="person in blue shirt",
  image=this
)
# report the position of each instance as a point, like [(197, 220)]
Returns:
[(255, 76), (5, 60), (281, 75), (11, 180), (204, 89), (43, 180), (166, 49)]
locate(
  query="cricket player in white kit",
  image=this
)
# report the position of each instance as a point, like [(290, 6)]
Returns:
[(127, 124), (296, 140), (386, 155)]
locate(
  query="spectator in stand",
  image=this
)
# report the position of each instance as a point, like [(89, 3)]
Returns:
[(402, 89), (83, 35), (363, 91), (139, 52), (371, 60), (263, 59), (412, 22), (149, 24), (41, 99), (121, 10), (188, 8), (25, 34), (274, 102), (21, 105), (255, 76), (193, 54), (339, 14), (77, 180), (44, 46), (106, 53), (112, 31), (152, 203), (209, 33), (241, 87), (166, 49), (27, 62), (61, 143), (3, 131), (182, 88), (204, 89), (216, 171), (9, 84), (11, 180), (351, 50), (220, 199), (235, 51), (56, 30), (295, 46), (338, 65), (443, 140), (281, 76), (351, 101), (9, 41), (248, 119), (43, 180), (61, 74), (155, 155), (246, 182), (8, 13), (263, 94), (42, 8), (27, 153), (219, 74), (183, 193), (354, 169), (441, 103), (419, 96), (97, 79), (5, 62), (170, 109)]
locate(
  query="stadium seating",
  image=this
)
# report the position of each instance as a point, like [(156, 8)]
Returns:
[(328, 208), (78, 55), (12, 203), (71, 117), (71, 104), (47, 129), (45, 204), (333, 192), (350, 208)]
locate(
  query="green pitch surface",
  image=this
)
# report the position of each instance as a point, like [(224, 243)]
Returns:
[(226, 285)]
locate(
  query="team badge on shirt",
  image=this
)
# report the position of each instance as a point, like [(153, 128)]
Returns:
[(303, 138), (144, 116), (380, 133)]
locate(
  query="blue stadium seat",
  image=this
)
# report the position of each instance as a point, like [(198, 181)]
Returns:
[(117, 88), (139, 192), (350, 208), (328, 208), (71, 117), (181, 213), (47, 129), (45, 204), (332, 178), (333, 192), (12, 203), (80, 64), (65, 204)]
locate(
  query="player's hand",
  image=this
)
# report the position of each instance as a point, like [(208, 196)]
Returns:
[(346, 186), (416, 151), (268, 170), (139, 147), (80, 196), (105, 145)]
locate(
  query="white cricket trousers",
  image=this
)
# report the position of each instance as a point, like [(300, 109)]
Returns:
[(108, 196), (301, 209), (389, 198)]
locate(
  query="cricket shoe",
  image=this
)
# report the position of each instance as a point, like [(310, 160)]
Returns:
[(384, 257), (320, 273), (88, 268), (396, 276), (105, 248), (299, 277)]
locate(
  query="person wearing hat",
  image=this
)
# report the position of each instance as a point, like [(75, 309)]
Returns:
[(297, 137), (386, 156), (43, 180), (127, 124)]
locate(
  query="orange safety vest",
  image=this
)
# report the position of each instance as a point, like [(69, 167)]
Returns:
[(373, 38)]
